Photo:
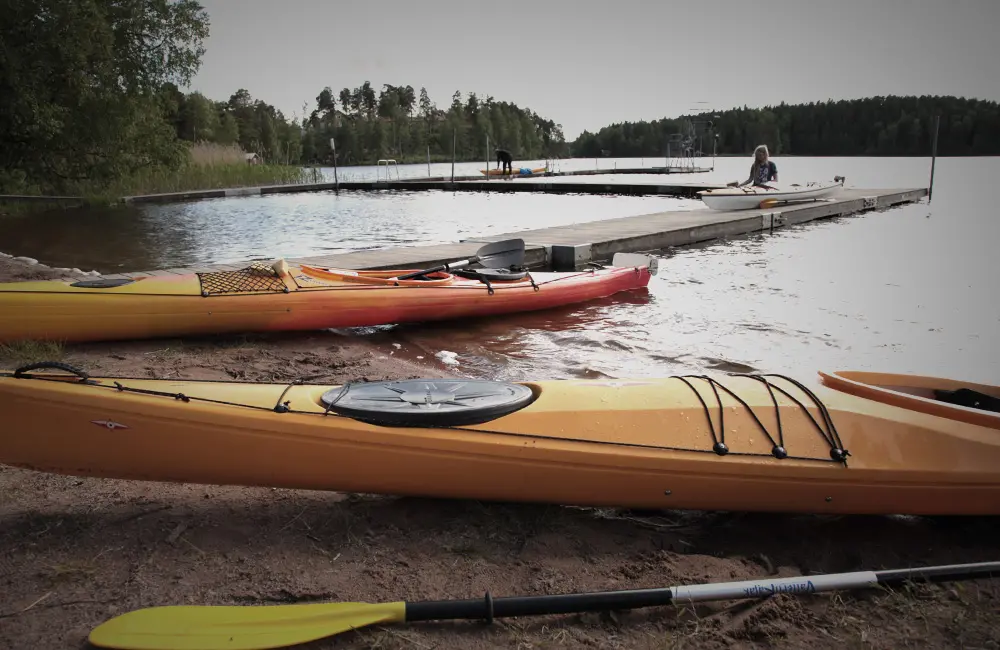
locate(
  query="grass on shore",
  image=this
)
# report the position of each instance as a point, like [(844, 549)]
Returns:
[(21, 353), (210, 166), (198, 177)]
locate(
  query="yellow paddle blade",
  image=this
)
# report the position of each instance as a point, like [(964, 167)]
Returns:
[(214, 627)]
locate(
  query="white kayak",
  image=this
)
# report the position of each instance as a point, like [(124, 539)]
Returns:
[(751, 196)]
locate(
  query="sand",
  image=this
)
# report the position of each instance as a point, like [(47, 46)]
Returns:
[(74, 552)]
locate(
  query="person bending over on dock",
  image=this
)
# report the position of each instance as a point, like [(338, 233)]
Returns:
[(508, 161), (763, 170)]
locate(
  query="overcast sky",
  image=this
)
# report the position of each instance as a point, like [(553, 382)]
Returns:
[(586, 64)]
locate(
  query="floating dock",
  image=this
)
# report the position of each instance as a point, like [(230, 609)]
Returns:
[(573, 246), (527, 184), (576, 172), (477, 183)]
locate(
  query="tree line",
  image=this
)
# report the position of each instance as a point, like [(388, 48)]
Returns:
[(90, 93), (873, 126), (366, 125)]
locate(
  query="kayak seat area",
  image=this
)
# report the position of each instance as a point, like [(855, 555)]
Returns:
[(966, 397), (492, 275), (969, 398)]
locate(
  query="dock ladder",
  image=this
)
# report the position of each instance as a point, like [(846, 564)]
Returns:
[(378, 169)]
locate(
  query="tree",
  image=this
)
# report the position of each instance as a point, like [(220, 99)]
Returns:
[(426, 106), (390, 126), (325, 105), (198, 119), (82, 82), (229, 129), (368, 101), (874, 126)]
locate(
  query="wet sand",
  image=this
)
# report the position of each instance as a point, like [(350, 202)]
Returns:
[(74, 552)]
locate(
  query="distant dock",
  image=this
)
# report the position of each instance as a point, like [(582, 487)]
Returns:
[(573, 246), (496, 185), (479, 183), (577, 172)]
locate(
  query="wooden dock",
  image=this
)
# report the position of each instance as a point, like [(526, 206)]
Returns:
[(477, 183), (421, 185), (577, 172), (572, 246), (569, 247)]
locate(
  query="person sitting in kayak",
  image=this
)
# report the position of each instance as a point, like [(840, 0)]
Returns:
[(504, 156), (763, 170)]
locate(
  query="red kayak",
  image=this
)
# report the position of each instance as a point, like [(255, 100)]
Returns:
[(280, 297)]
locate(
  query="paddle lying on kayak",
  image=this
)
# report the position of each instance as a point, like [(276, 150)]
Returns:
[(502, 255), (259, 627)]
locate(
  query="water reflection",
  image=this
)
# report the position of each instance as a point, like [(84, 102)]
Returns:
[(107, 239), (232, 230)]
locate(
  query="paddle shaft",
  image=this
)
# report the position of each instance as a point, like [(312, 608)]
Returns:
[(505, 253), (489, 608), (443, 267)]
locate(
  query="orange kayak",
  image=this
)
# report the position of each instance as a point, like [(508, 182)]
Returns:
[(277, 297), (738, 442)]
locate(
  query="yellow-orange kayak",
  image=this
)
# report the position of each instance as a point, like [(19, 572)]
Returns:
[(738, 442), (276, 297), (516, 172)]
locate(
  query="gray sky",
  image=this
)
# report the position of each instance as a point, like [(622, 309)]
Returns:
[(587, 64)]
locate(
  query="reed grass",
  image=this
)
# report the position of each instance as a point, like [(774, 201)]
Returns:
[(208, 166), (213, 153)]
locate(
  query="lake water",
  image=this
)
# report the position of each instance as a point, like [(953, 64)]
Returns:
[(911, 289), (235, 229)]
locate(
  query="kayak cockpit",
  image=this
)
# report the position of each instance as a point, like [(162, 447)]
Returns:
[(430, 279), (969, 398), (956, 400), (378, 277)]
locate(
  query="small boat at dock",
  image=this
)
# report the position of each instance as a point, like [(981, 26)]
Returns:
[(748, 197)]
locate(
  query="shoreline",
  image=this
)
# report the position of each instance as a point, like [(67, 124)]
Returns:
[(20, 268)]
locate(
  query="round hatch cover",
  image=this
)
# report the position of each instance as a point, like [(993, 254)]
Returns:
[(428, 402)]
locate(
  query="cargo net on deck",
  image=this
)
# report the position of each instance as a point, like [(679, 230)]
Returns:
[(258, 277)]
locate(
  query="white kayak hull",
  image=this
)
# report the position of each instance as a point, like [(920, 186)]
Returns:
[(750, 197)]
